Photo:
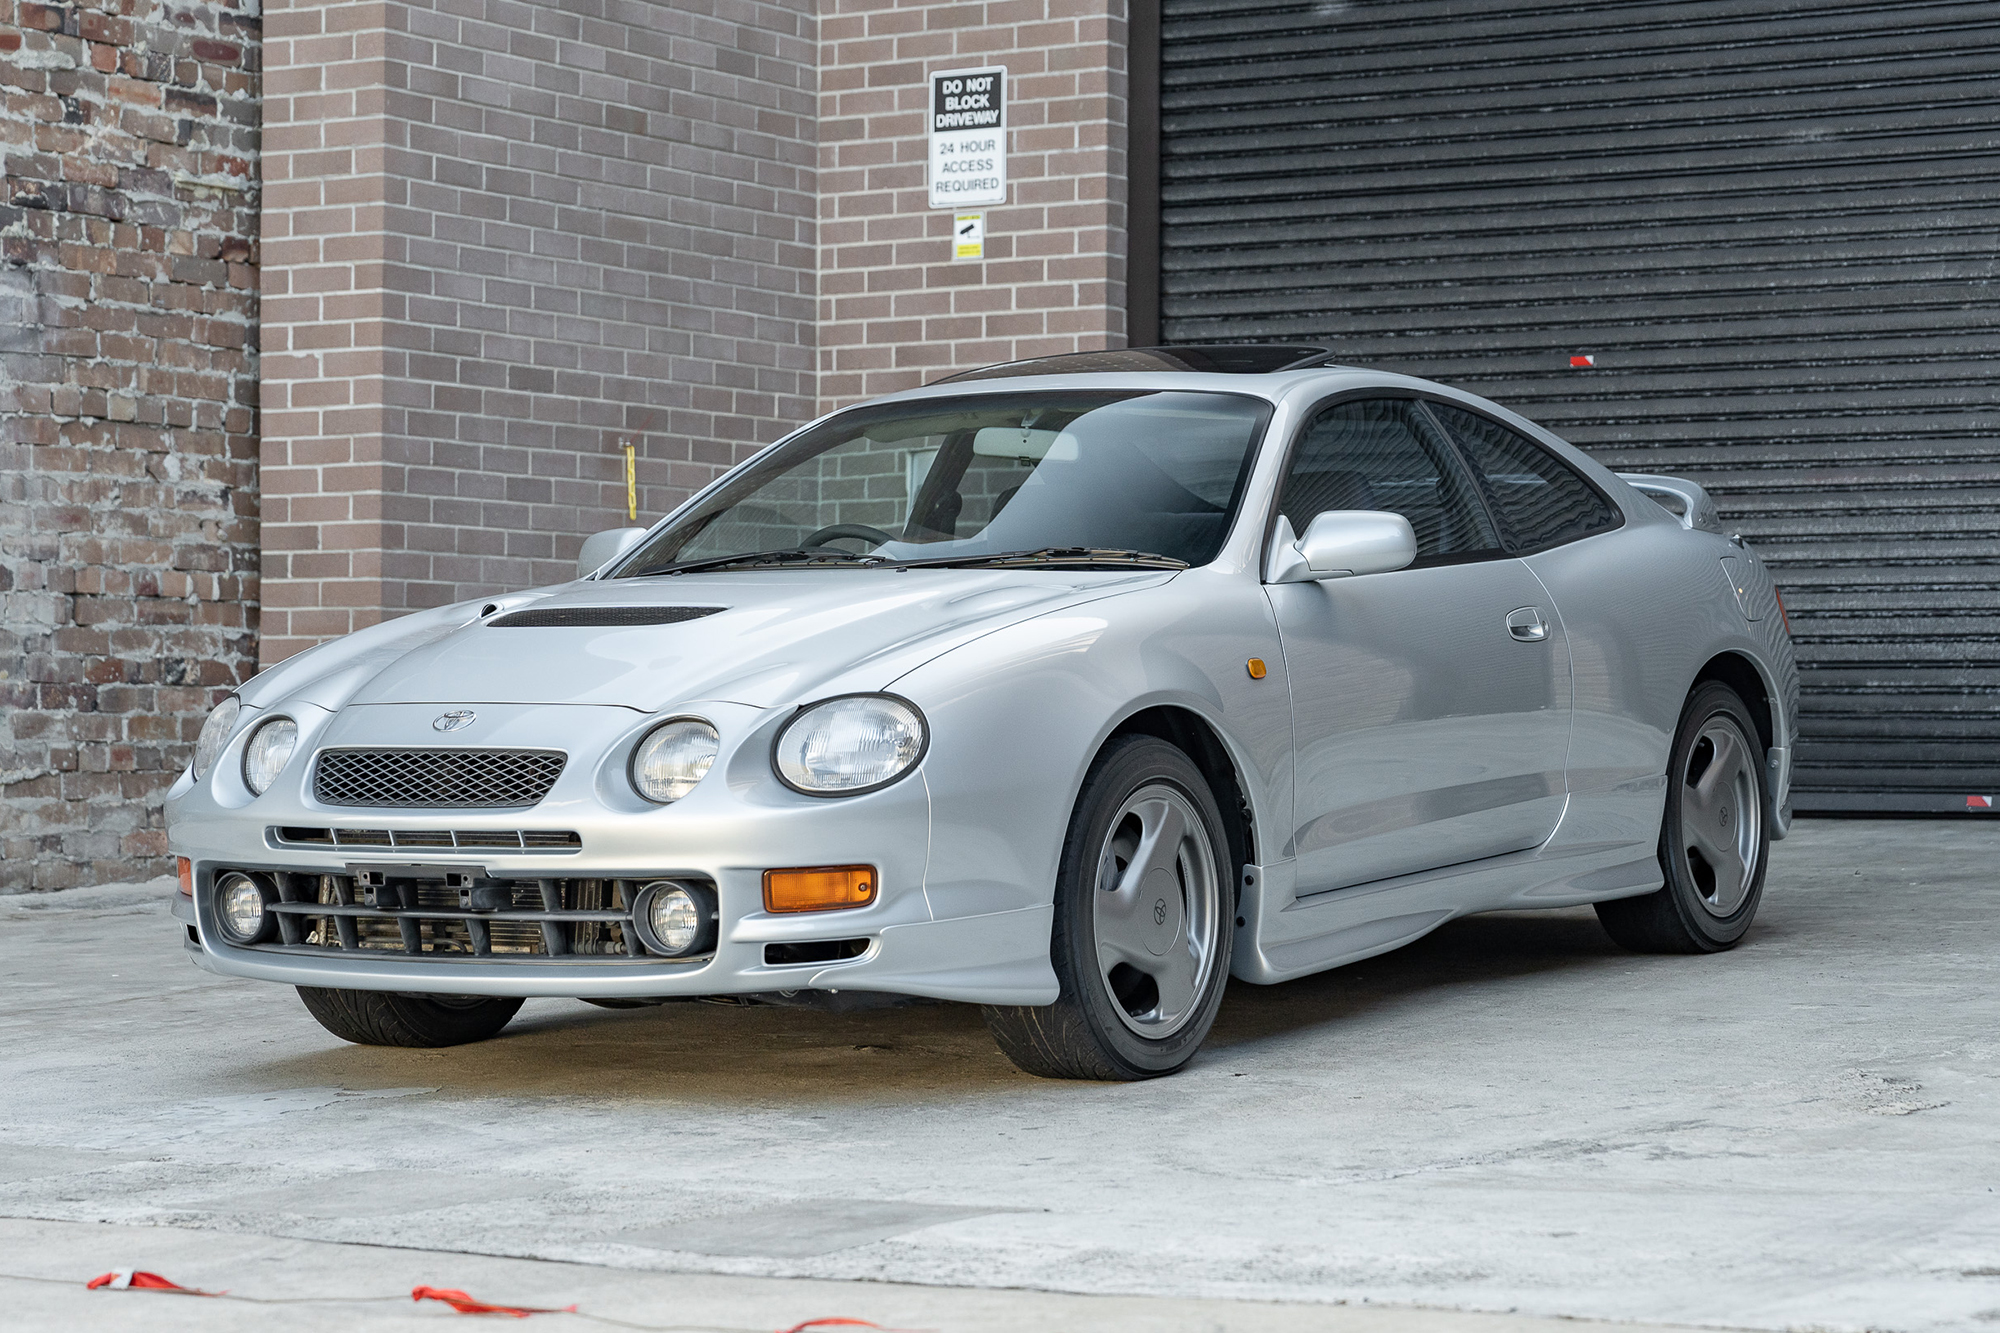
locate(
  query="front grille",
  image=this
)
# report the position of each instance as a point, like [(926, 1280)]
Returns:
[(471, 840), (465, 916), (600, 617), (469, 779)]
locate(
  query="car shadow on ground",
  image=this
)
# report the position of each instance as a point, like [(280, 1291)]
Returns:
[(760, 1054), (1474, 951)]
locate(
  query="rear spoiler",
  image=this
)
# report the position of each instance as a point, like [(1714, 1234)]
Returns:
[(1685, 500)]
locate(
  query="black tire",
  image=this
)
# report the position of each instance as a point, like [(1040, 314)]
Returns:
[(1083, 1035), (380, 1018), (1693, 912)]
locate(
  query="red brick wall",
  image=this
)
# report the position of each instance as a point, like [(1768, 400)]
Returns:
[(895, 309), (128, 509)]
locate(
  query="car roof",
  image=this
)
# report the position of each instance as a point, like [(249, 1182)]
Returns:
[(1271, 385), (1206, 358), (1264, 370)]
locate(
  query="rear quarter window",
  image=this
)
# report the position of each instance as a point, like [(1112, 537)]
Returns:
[(1540, 500)]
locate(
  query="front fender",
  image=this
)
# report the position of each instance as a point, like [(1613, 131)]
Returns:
[(1017, 717)]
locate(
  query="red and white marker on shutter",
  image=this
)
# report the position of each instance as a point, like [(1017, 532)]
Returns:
[(1582, 362), (1979, 802)]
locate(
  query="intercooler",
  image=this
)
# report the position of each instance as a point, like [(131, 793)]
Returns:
[(444, 912)]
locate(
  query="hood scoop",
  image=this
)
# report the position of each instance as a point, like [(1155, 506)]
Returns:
[(600, 617)]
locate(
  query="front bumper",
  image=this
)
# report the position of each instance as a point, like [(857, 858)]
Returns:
[(999, 958), (737, 824)]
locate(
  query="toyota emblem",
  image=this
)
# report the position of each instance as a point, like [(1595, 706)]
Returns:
[(458, 719)]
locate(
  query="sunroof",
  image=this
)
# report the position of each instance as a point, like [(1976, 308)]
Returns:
[(1206, 358)]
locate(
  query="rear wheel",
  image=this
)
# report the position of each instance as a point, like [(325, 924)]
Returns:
[(380, 1018), (1145, 918), (1714, 844)]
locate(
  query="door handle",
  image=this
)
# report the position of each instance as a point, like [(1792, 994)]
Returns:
[(1526, 624)]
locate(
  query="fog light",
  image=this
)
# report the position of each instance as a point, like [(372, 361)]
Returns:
[(819, 888), (242, 909), (675, 920)]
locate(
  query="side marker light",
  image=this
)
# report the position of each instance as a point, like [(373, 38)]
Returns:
[(185, 869), (818, 888), (1257, 670)]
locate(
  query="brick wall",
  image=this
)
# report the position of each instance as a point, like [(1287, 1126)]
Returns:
[(128, 533), (502, 238), (895, 309)]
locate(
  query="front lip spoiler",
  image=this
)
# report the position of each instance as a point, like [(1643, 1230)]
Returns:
[(991, 958), (596, 961)]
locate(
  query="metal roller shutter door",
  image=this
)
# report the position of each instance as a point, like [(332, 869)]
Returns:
[(1774, 227)]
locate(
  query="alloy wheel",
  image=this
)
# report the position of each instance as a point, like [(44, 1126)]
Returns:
[(1721, 821), (1156, 911)]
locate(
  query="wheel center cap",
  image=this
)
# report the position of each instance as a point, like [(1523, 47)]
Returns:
[(1160, 908)]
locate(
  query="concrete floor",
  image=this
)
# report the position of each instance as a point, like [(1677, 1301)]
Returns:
[(1508, 1116)]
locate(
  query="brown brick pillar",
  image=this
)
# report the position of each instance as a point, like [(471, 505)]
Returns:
[(896, 310), (505, 240)]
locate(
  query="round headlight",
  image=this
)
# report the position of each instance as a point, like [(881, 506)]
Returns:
[(674, 920), (850, 745), (673, 758), (269, 750), (214, 735), (240, 909)]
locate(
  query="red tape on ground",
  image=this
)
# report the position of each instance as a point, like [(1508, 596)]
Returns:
[(465, 1304), (131, 1278)]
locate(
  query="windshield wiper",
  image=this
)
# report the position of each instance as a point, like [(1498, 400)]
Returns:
[(790, 555), (1051, 557)]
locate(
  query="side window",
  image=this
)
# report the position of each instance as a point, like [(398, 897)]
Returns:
[(1541, 500), (1380, 453)]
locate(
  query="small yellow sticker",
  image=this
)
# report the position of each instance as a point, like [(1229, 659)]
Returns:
[(632, 482), (1256, 665), (968, 236)]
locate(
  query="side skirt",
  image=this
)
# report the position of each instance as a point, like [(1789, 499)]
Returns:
[(1281, 936)]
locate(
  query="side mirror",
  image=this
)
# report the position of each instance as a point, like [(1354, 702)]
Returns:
[(1343, 542), (601, 548)]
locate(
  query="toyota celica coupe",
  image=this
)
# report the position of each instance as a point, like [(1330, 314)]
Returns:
[(1069, 688)]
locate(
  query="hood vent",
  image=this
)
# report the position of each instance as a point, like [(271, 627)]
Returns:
[(600, 617)]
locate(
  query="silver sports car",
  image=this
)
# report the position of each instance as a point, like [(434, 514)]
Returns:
[(1070, 688)]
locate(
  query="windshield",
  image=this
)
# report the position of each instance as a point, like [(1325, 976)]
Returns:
[(1062, 477)]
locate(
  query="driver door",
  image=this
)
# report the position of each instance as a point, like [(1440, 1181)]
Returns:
[(1431, 704)]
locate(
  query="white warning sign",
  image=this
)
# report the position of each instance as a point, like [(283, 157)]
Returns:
[(969, 137)]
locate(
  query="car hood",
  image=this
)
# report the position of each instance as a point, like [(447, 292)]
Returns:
[(764, 638)]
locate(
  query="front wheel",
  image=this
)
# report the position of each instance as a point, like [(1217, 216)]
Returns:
[(1714, 843), (1145, 918), (381, 1018)]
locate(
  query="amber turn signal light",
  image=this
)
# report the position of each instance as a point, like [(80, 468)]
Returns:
[(185, 869), (1256, 667), (818, 888)]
